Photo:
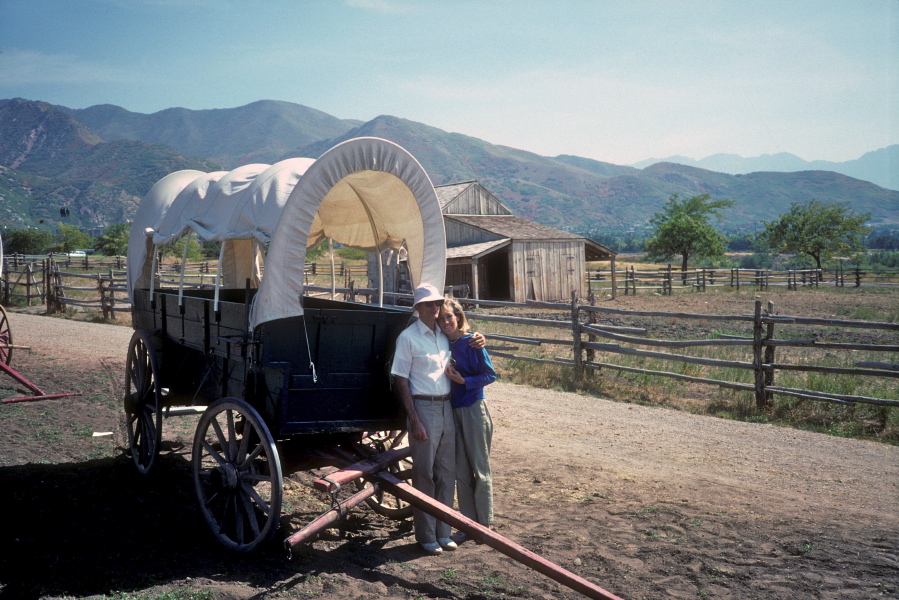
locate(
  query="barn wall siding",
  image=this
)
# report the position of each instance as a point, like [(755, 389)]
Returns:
[(459, 234), (547, 271), (475, 201)]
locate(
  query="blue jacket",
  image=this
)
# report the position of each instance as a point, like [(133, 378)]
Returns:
[(475, 366)]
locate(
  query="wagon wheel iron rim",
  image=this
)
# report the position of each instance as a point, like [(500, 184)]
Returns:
[(5, 338), (382, 502), (143, 402), (237, 475)]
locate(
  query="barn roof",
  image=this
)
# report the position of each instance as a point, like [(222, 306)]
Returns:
[(518, 228), (514, 227), (475, 250)]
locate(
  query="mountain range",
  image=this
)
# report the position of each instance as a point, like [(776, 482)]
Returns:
[(880, 167), (100, 160)]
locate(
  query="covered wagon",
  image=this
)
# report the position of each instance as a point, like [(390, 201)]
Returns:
[(271, 370)]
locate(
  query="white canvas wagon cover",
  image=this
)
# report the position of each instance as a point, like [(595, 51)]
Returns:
[(366, 193)]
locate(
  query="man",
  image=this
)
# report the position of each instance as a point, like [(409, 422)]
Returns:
[(419, 364)]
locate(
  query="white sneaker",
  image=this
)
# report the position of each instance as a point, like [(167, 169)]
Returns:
[(447, 544), (431, 547)]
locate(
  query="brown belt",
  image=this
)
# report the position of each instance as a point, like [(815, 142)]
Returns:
[(442, 398)]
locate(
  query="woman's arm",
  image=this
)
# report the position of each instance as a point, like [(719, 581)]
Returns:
[(485, 375)]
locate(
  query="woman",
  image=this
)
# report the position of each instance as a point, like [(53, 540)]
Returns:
[(470, 370)]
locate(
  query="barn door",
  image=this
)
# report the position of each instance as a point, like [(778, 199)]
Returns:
[(534, 274)]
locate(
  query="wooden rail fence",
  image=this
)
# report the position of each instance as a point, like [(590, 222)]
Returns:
[(761, 346), (666, 279), (585, 336)]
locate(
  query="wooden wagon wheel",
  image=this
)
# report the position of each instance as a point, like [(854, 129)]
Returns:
[(237, 475), (5, 338), (385, 503), (143, 401)]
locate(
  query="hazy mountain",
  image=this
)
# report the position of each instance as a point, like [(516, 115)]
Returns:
[(256, 133), (534, 186), (48, 161), (575, 193), (55, 160), (880, 166), (758, 196)]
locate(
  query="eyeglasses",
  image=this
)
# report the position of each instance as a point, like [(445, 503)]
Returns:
[(432, 303)]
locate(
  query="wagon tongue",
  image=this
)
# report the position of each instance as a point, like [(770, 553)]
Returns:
[(374, 468), (38, 393)]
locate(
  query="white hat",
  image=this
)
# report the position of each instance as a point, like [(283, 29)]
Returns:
[(426, 292)]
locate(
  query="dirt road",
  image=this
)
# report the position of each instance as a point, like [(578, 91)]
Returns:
[(646, 502)]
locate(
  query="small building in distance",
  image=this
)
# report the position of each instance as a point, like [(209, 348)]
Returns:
[(497, 255), (500, 256)]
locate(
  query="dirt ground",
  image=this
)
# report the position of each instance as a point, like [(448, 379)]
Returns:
[(645, 502)]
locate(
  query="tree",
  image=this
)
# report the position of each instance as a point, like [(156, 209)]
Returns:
[(114, 241), (683, 229), (26, 241), (72, 238), (194, 250), (819, 229)]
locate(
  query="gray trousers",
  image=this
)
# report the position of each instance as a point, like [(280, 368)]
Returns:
[(474, 481), (433, 466)]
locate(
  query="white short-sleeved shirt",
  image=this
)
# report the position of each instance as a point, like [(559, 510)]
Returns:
[(421, 357)]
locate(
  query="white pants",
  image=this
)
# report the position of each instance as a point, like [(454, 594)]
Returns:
[(434, 466)]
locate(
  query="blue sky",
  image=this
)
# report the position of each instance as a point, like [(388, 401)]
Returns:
[(618, 81)]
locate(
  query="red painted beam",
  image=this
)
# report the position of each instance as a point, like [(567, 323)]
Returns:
[(324, 520), (39, 394), (36, 398), (484, 535), (361, 469)]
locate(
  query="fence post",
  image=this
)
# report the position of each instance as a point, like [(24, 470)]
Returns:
[(737, 272), (111, 296), (102, 292), (858, 276), (769, 355), (591, 318), (576, 331), (757, 356), (28, 278)]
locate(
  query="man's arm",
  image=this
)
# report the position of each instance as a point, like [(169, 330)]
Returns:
[(417, 428), (478, 341)]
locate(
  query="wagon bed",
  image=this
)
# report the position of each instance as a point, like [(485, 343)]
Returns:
[(321, 372)]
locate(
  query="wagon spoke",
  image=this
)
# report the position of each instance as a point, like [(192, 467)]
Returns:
[(254, 494), (383, 502), (249, 460), (251, 501), (213, 452), (222, 442), (232, 436), (244, 443)]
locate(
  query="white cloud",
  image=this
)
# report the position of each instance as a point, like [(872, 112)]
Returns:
[(28, 67)]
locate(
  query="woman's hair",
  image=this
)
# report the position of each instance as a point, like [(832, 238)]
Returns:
[(452, 305)]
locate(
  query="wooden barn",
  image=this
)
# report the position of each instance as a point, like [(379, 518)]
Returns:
[(504, 257), (500, 256)]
